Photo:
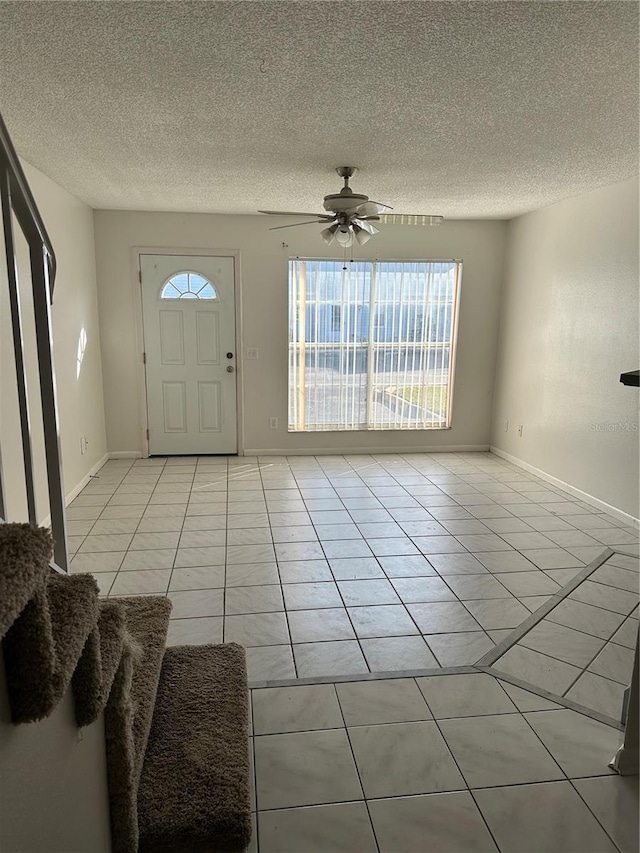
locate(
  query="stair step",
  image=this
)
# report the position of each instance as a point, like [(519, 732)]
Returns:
[(129, 711), (24, 567), (97, 667), (43, 646), (194, 788)]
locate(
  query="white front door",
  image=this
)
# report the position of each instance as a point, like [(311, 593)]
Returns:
[(188, 308)]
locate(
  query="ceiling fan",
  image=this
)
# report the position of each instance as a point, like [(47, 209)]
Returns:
[(351, 215)]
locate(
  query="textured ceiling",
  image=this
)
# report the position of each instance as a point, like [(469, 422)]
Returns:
[(466, 109)]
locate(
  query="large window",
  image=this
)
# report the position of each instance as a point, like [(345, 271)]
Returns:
[(371, 345)]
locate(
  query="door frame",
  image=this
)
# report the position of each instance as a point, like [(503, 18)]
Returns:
[(141, 380)]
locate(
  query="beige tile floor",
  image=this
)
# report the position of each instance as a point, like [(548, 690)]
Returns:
[(325, 566), (342, 566), (471, 765), (583, 648)]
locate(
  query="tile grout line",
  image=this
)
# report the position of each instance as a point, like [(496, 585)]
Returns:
[(117, 486), (275, 559), (162, 468), (604, 829), (539, 614), (562, 770), (420, 633), (578, 666), (224, 587), (357, 639), (553, 697), (524, 629), (455, 761), (255, 771), (586, 668), (173, 567), (390, 580), (355, 764), (119, 569), (344, 604)]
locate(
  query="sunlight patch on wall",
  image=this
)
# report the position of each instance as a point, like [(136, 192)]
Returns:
[(82, 345)]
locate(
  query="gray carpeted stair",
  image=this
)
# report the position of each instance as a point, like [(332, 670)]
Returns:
[(96, 670), (43, 646), (45, 620), (129, 712), (55, 632), (194, 790)]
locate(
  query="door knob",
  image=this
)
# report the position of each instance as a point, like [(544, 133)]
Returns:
[(229, 369)]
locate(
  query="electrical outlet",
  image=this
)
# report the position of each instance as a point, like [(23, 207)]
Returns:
[(520, 428), (505, 426), (273, 423), (252, 354)]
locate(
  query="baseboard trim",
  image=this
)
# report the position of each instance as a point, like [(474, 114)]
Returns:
[(75, 491), (363, 451), (83, 482), (626, 517), (125, 454)]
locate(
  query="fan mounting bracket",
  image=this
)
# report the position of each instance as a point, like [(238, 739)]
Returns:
[(346, 171)]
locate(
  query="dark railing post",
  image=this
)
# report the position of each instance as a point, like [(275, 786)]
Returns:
[(44, 342), (18, 201), (16, 324), (3, 506)]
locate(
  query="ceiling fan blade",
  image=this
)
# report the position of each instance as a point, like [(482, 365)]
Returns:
[(382, 208), (294, 213), (372, 208), (364, 225), (294, 224), (410, 219)]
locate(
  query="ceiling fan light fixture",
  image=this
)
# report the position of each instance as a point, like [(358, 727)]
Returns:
[(345, 238), (329, 234), (361, 235)]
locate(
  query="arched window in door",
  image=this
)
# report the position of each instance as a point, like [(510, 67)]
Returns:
[(188, 285)]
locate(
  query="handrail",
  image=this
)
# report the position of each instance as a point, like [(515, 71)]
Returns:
[(16, 200), (23, 203)]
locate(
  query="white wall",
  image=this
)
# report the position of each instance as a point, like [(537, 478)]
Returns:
[(75, 307), (569, 328), (264, 320), (53, 783)]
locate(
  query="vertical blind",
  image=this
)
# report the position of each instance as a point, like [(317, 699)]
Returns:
[(371, 344)]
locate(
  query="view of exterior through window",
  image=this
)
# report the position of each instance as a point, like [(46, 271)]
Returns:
[(188, 285), (371, 346)]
